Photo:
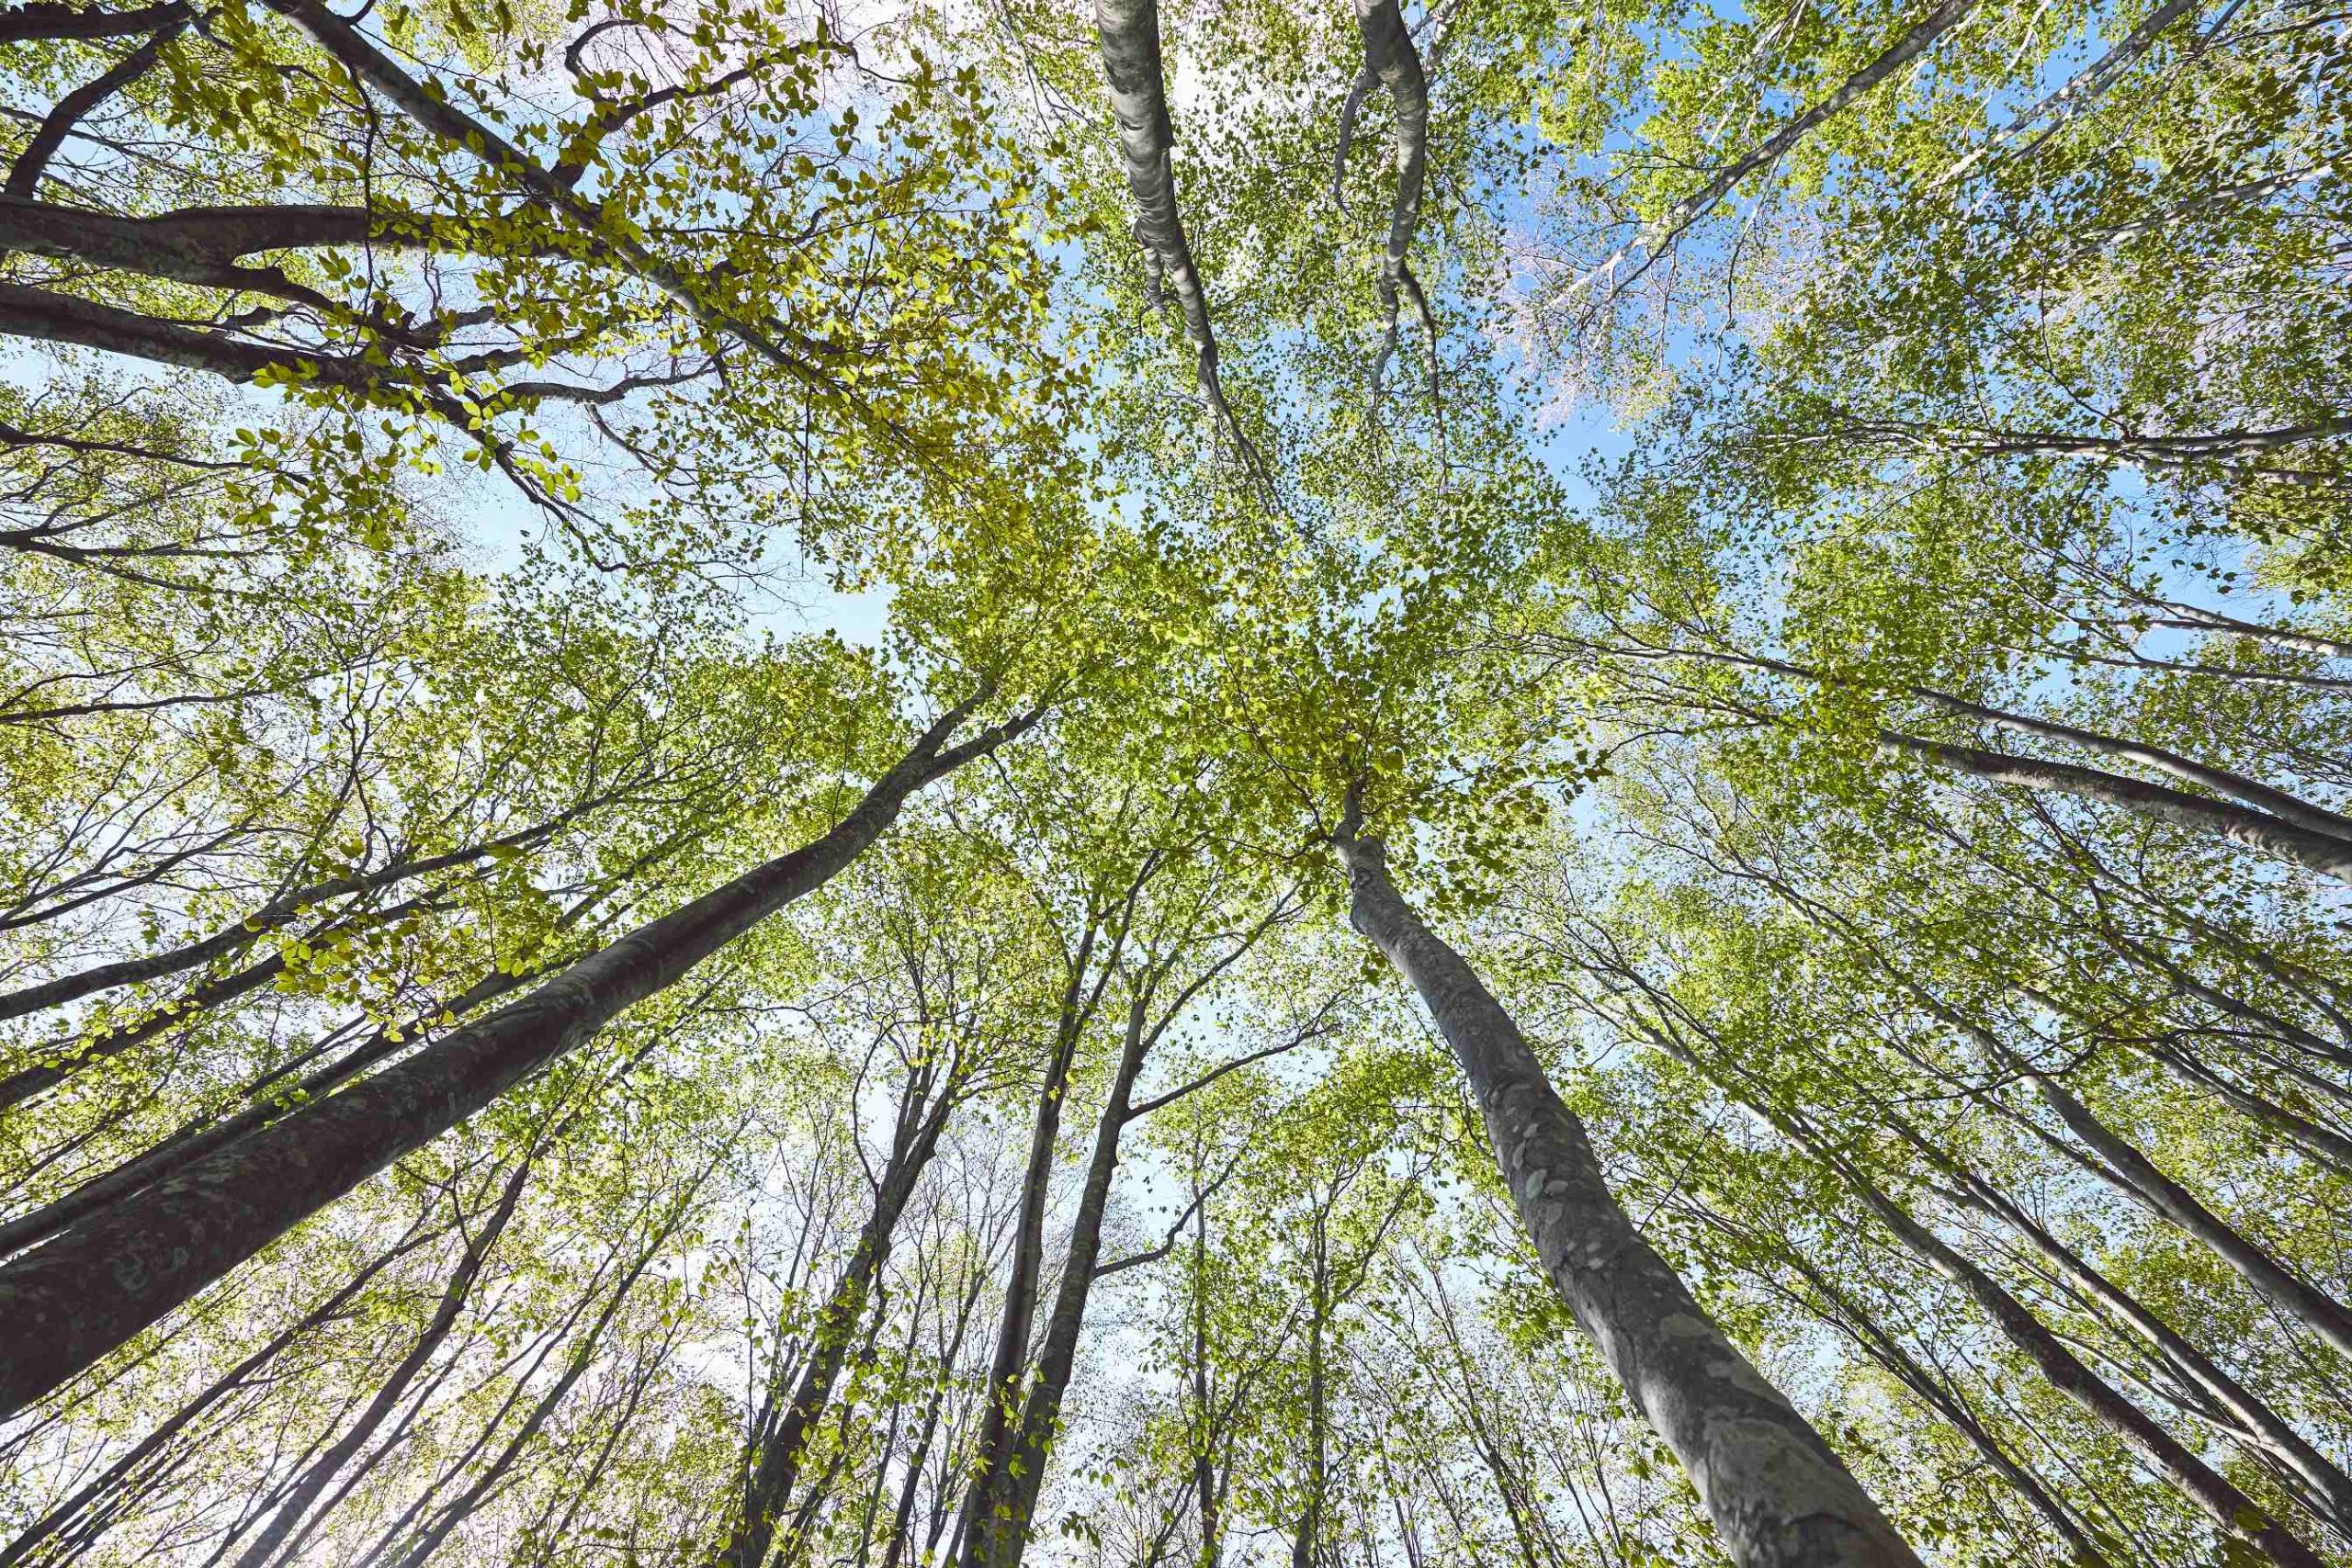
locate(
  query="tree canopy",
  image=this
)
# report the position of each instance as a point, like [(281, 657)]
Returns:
[(1176, 785)]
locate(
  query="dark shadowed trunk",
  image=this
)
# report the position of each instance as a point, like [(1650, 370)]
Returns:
[(197, 1139), (78, 1296), (1005, 1487), (922, 1117)]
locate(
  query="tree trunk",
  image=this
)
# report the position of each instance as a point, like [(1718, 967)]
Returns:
[(777, 1463), (78, 1296), (1204, 1488), (2169, 1199), (1778, 1495), (194, 1142), (1129, 35), (2232, 1511), (1308, 1541), (1005, 1489), (2279, 803), (1002, 1394), (2322, 852)]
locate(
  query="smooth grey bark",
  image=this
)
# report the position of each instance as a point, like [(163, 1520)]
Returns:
[(1129, 30), (1778, 1495), (2178, 451), (2279, 803), (776, 1466), (51, 317), (2322, 852), (1307, 1544), (1206, 1493), (78, 1296), (2114, 1160), (2187, 617)]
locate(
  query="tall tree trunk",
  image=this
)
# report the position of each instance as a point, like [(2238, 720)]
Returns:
[(2322, 852), (1129, 34), (2286, 808), (1005, 1488), (1000, 1400), (1204, 1486), (2232, 1511), (2140, 1178), (1309, 1540), (193, 1141), (902, 1523), (776, 1466), (78, 1296), (1778, 1495)]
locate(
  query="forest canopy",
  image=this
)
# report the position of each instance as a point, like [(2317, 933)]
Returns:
[(1487, 784)]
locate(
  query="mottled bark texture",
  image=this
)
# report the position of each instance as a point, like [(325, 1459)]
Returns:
[(1129, 30), (1390, 61), (77, 1297), (1778, 1496)]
